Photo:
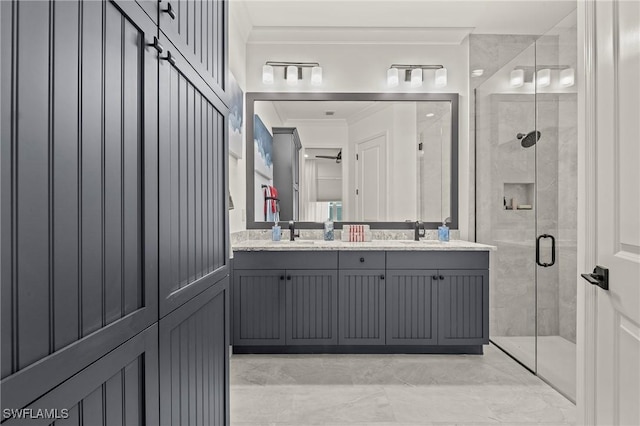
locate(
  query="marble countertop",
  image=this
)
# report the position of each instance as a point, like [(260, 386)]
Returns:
[(380, 245)]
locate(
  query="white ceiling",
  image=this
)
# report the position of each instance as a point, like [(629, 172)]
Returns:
[(477, 16)]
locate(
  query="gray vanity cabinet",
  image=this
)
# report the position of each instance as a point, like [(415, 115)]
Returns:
[(258, 311), (412, 306), (361, 307), (311, 307), (463, 304)]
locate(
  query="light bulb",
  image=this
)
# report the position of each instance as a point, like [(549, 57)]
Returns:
[(316, 76), (441, 77), (567, 77), (416, 77), (543, 77), (517, 78), (392, 77), (267, 74), (292, 75)]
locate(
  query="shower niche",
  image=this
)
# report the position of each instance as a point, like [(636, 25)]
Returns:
[(518, 196)]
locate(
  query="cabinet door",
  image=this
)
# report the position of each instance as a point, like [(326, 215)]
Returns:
[(258, 307), (361, 308), (193, 183), (312, 307), (198, 29), (412, 307), (194, 360), (463, 306)]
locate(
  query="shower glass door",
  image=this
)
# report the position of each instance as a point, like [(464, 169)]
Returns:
[(526, 203), (505, 111), (556, 199)]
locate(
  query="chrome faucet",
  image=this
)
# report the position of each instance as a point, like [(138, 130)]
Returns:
[(419, 230), (292, 230)]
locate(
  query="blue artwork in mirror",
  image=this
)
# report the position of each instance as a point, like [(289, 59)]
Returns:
[(263, 146)]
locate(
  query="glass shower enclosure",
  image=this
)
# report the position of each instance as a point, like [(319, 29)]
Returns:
[(526, 186)]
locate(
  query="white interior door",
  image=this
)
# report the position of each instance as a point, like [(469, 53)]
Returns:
[(614, 336), (371, 179)]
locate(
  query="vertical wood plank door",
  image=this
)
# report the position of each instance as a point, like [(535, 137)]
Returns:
[(119, 389), (194, 361), (463, 307), (79, 162), (412, 307), (361, 307), (198, 29), (193, 183), (312, 307), (259, 307)]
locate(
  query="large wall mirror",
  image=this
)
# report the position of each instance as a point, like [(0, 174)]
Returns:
[(386, 159)]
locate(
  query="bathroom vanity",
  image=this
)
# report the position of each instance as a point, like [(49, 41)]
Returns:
[(378, 297)]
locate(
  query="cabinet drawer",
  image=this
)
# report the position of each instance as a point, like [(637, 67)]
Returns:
[(438, 260), (285, 260), (361, 260)]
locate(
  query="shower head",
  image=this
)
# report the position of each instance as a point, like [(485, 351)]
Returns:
[(528, 140)]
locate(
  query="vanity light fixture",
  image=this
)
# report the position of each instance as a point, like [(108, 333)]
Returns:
[(292, 72), (416, 77), (291, 75), (441, 77), (267, 74), (415, 74), (517, 78), (567, 77), (543, 77), (393, 78)]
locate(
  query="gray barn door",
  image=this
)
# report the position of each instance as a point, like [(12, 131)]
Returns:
[(79, 132), (193, 183)]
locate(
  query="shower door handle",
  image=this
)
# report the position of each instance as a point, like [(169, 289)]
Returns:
[(553, 250)]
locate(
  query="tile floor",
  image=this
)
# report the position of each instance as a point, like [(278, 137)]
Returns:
[(391, 390)]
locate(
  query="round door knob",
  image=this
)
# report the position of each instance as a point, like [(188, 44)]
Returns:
[(362, 260), (435, 277), (441, 277)]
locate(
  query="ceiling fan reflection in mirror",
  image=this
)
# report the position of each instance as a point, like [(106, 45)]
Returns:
[(337, 157)]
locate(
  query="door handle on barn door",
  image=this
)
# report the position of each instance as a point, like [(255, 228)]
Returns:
[(599, 277), (169, 58), (553, 250), (169, 11), (156, 45)]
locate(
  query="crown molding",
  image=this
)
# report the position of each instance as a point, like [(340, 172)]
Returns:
[(358, 35)]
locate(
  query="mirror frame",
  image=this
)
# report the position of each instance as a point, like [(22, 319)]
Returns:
[(252, 97)]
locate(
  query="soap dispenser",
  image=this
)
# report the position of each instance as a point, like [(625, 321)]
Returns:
[(276, 232), (328, 230), (443, 231)]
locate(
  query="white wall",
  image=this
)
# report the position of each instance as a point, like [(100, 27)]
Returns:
[(238, 34)]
